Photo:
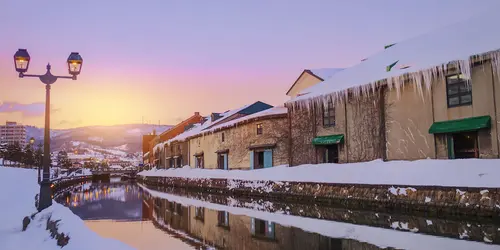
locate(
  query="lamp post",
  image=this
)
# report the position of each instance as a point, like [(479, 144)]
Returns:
[(21, 63), (31, 141)]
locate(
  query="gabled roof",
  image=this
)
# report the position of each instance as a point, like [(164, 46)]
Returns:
[(275, 111), (199, 128), (322, 74), (422, 57)]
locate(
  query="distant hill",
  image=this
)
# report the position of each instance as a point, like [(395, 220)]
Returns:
[(126, 138)]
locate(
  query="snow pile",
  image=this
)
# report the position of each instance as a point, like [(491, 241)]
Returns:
[(422, 59), (455, 173), (380, 237), (21, 202)]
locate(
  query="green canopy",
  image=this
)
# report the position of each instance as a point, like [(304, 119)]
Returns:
[(327, 140), (461, 125)]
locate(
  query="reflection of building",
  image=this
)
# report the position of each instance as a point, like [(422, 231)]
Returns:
[(12, 132), (228, 231)]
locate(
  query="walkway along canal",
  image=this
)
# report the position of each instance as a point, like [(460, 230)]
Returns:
[(171, 218)]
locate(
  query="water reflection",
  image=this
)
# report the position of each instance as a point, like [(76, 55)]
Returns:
[(148, 219), (112, 200)]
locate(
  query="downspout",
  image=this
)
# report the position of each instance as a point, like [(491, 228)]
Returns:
[(433, 120), (346, 145), (290, 140), (495, 107), (315, 132), (383, 129)]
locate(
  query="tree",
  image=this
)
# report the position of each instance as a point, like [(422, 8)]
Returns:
[(90, 165), (63, 160), (15, 153), (104, 164), (3, 152), (38, 158), (28, 156)]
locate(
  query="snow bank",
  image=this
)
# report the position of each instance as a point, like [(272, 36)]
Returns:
[(377, 236), (454, 173), (422, 59), (20, 202)]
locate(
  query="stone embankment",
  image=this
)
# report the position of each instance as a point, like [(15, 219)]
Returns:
[(483, 202)]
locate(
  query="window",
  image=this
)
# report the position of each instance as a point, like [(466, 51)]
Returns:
[(458, 91), (259, 160), (179, 161), (222, 219), (463, 145), (221, 161), (263, 229), (331, 154), (329, 115), (259, 128), (222, 137), (199, 213), (178, 209), (199, 161)]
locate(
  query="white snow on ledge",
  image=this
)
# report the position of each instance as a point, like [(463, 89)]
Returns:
[(451, 173)]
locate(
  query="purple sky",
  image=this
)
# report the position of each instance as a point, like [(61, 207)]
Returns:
[(165, 59)]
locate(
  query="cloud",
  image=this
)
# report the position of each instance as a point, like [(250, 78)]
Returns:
[(70, 123), (28, 110), (32, 109)]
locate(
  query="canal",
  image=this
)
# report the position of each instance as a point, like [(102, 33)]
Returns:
[(149, 218)]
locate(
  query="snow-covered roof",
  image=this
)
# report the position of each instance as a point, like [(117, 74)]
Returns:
[(325, 73), (199, 128), (115, 167), (420, 59), (265, 113)]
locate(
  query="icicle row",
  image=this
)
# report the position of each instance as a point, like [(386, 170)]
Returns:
[(419, 79)]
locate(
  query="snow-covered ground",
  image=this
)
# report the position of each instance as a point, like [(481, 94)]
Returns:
[(377, 236), (18, 201), (461, 173)]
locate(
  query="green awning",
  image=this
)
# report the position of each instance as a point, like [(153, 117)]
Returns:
[(326, 140), (462, 125)]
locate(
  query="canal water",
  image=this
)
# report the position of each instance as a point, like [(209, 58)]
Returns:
[(145, 218)]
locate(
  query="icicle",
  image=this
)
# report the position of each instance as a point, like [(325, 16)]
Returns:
[(495, 64), (417, 79), (465, 68), (397, 84)]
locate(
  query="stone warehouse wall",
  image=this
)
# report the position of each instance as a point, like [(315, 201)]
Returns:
[(436, 200), (238, 139), (302, 128), (475, 228)]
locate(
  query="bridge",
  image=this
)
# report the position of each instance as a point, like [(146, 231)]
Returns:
[(100, 174)]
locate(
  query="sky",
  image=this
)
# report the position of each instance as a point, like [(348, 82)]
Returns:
[(159, 61)]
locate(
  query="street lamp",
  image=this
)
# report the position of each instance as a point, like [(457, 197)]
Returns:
[(21, 62), (31, 141)]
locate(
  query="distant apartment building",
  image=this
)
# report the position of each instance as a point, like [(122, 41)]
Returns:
[(12, 132)]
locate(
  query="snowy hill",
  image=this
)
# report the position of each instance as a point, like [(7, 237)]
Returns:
[(126, 139)]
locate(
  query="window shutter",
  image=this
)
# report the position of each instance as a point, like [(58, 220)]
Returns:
[(225, 162), (195, 162), (252, 226), (270, 229), (251, 159), (268, 158), (451, 147), (226, 218)]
